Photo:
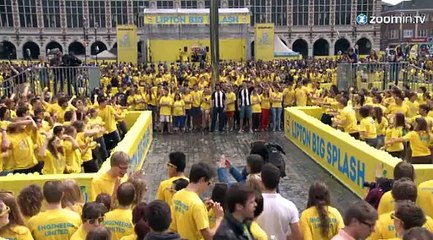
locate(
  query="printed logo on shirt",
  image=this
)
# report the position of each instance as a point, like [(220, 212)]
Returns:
[(55, 229)]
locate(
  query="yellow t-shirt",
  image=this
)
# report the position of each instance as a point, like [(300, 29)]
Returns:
[(394, 108), (311, 227), (368, 126), (289, 96), (165, 192), (16, 232), (385, 228), (82, 140), (419, 143), (386, 204), (257, 232), (80, 234), (22, 151), (256, 104), (52, 164), (107, 115), (130, 237), (119, 222), (277, 103), (165, 110), (196, 98), (72, 157), (348, 114), (231, 102), (187, 98), (301, 96), (189, 215), (179, 108), (57, 224), (394, 133), (97, 121), (381, 127), (266, 103), (103, 183), (425, 197), (206, 102)]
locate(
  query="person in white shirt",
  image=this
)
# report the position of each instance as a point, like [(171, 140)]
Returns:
[(280, 217)]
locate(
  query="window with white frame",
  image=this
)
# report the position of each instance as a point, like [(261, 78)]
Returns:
[(188, 3), (96, 13), (119, 11), (51, 13), (279, 12), (74, 13), (6, 17), (300, 12), (27, 13), (164, 4), (321, 12), (343, 12), (258, 11), (407, 33)]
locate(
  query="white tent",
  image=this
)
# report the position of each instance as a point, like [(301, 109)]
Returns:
[(107, 55), (281, 50)]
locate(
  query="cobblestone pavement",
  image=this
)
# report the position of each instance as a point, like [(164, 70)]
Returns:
[(301, 170)]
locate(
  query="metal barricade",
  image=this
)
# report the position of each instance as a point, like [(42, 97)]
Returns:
[(379, 75), (70, 80)]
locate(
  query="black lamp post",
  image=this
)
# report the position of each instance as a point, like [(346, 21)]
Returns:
[(96, 39), (85, 40)]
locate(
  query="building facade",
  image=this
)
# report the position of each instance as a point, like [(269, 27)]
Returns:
[(311, 27), (408, 33)]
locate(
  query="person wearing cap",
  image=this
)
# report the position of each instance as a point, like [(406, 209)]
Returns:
[(175, 167)]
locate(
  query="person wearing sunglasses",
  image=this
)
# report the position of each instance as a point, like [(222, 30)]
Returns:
[(403, 189), (4, 216), (92, 217), (408, 215), (175, 170), (359, 221), (15, 229)]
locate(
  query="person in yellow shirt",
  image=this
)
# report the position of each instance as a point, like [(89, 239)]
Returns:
[(119, 220), (256, 108), (15, 229), (266, 109), (381, 125), (257, 232), (301, 94), (86, 144), (175, 169), (108, 115), (109, 181), (395, 130), (187, 99), (346, 119), (53, 156), (206, 108), (367, 127), (165, 105), (425, 197), (95, 121), (178, 114), (276, 99), (319, 213), (92, 216), (196, 107), (420, 141), (230, 108), (189, 213), (401, 170), (55, 223), (30, 201), (22, 146), (158, 218), (404, 192)]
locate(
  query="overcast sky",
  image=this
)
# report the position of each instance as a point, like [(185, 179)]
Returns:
[(392, 1)]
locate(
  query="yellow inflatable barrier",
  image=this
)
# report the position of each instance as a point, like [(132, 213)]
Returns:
[(351, 161), (136, 143)]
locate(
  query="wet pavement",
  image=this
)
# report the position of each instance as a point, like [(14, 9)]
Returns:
[(301, 170)]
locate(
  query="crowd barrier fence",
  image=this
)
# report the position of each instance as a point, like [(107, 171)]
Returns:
[(136, 144), (351, 161)]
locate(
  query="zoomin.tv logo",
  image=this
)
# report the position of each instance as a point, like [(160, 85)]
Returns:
[(363, 19)]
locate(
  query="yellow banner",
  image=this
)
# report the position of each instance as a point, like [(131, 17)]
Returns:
[(351, 161), (196, 19), (264, 42), (127, 50)]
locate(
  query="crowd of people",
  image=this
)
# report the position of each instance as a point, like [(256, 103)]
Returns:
[(250, 209)]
